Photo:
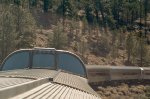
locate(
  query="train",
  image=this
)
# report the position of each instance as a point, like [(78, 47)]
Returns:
[(44, 73), (98, 74), (47, 73)]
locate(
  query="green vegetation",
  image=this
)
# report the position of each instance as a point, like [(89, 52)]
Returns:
[(102, 27), (57, 39), (17, 28), (148, 91)]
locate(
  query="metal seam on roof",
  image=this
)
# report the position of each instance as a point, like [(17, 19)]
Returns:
[(29, 74), (67, 79), (66, 93), (7, 82), (61, 78)]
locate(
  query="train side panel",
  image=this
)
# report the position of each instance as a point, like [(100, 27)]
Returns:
[(146, 73), (125, 73), (98, 74)]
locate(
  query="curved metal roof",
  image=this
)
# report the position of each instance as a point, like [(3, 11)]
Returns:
[(55, 91), (55, 83)]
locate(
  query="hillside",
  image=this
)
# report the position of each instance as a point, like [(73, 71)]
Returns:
[(104, 32), (124, 91), (90, 53), (91, 58)]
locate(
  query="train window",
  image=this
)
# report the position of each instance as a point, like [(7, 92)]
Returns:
[(18, 60), (43, 60), (71, 63)]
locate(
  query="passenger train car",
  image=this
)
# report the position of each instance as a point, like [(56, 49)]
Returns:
[(44, 73), (98, 74)]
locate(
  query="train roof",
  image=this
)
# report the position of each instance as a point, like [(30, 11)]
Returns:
[(20, 82), (57, 81)]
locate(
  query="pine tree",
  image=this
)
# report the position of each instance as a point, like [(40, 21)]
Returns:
[(65, 9), (57, 39), (129, 46), (25, 28), (7, 32), (46, 5)]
